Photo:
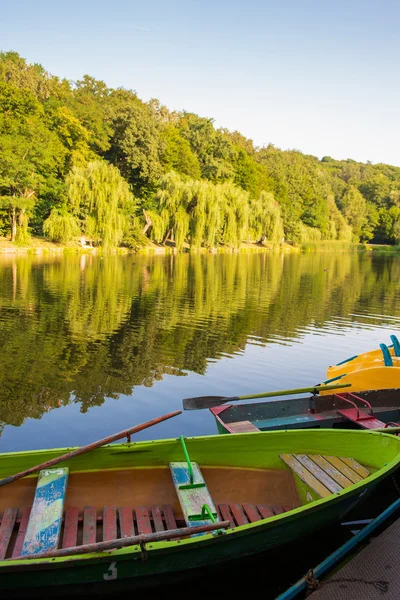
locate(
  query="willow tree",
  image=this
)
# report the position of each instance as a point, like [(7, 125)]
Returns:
[(171, 216), (339, 229), (234, 210), (98, 195), (199, 212), (265, 221), (61, 226)]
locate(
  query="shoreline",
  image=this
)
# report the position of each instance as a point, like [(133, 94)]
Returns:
[(42, 246)]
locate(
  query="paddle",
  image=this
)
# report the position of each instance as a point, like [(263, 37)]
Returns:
[(201, 402), (111, 438)]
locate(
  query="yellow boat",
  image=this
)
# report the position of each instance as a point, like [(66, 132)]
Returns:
[(369, 371)]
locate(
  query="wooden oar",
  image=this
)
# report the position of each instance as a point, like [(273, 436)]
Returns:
[(112, 438), (209, 401), (140, 539)]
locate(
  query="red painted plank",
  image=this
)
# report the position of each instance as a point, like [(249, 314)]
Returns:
[(6, 529), (109, 523), (251, 513), (126, 522), (157, 518), (143, 520), (238, 514), (226, 514), (70, 527), (169, 516), (89, 525), (21, 532), (265, 511), (278, 510)]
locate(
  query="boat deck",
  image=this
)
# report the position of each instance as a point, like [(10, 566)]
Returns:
[(90, 525), (373, 573)]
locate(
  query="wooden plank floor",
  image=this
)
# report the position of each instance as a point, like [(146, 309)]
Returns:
[(374, 573), (90, 525)]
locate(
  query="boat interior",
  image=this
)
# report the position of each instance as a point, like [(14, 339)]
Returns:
[(85, 507)]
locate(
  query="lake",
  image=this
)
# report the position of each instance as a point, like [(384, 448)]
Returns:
[(92, 345)]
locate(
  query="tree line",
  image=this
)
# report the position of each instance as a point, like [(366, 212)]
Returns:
[(80, 158)]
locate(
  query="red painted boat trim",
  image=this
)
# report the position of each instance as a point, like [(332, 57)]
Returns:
[(216, 410)]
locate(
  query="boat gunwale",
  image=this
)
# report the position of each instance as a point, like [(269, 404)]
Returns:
[(175, 545)]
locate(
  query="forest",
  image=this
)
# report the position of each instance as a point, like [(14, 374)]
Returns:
[(79, 158)]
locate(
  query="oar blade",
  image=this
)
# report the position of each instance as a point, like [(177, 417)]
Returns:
[(203, 402)]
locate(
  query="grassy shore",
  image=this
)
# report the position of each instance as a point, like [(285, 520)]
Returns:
[(39, 245)]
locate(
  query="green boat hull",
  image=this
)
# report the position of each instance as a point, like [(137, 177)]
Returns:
[(133, 566)]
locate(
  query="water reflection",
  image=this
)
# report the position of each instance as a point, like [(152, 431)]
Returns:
[(85, 328)]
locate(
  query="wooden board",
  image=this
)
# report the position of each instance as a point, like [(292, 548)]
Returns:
[(225, 513), (143, 520), (89, 525), (157, 518), (70, 527), (305, 475), (6, 529), (321, 461), (355, 466), (44, 526), (242, 427), (191, 500), (265, 511), (238, 514), (319, 473), (169, 517), (344, 468), (126, 521), (251, 513), (21, 532), (109, 523)]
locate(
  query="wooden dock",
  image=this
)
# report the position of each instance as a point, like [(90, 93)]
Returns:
[(374, 573)]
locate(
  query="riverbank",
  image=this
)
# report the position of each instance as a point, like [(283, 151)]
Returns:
[(39, 245)]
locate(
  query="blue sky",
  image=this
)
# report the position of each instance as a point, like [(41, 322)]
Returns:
[(316, 76)]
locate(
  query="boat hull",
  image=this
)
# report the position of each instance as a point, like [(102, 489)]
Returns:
[(303, 413), (132, 566)]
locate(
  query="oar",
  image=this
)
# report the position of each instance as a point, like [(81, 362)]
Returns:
[(141, 539), (112, 438), (209, 401)]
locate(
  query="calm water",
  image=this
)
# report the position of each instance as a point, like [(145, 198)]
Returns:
[(90, 345)]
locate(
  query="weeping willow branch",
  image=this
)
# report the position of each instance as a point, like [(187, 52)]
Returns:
[(98, 195)]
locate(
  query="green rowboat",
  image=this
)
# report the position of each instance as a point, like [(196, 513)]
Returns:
[(137, 513)]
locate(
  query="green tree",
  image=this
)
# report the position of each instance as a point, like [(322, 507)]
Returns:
[(61, 226), (98, 196), (31, 156), (265, 221), (135, 143), (355, 210), (177, 154), (215, 152)]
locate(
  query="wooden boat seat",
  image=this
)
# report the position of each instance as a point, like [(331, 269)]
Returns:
[(192, 493), (44, 523), (89, 525), (242, 427), (325, 475)]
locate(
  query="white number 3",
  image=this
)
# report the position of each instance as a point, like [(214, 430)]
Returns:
[(112, 572)]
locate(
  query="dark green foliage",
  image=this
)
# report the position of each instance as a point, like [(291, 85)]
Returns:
[(177, 154), (224, 189)]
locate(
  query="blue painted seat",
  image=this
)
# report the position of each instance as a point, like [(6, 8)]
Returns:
[(44, 525), (193, 494)]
